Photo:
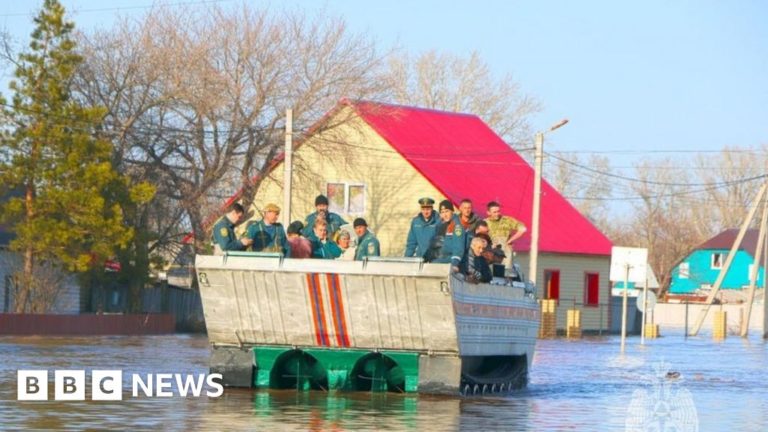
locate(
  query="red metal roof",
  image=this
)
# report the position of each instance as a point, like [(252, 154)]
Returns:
[(463, 158)]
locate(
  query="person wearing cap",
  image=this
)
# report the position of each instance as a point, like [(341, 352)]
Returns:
[(299, 245), (367, 243), (322, 246), (224, 238), (268, 235), (448, 244), (422, 230), (335, 221)]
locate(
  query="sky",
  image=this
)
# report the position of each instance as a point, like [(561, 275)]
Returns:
[(635, 78)]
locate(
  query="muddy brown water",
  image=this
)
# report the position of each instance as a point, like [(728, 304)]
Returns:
[(574, 385)]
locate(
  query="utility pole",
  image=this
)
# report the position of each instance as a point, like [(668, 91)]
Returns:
[(288, 167), (753, 272), (727, 265), (765, 298), (624, 307), (538, 162), (645, 309), (538, 157)]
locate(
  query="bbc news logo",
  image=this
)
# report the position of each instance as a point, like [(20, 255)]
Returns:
[(107, 385)]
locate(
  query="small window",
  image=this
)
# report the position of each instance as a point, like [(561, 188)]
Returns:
[(552, 284), (749, 272), (717, 261), (346, 198), (591, 289), (356, 199), (684, 271), (336, 197)]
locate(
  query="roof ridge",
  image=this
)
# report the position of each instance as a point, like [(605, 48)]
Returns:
[(356, 102)]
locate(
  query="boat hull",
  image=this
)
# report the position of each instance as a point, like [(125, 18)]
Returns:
[(374, 325)]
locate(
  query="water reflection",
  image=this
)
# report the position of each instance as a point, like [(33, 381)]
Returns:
[(582, 385)]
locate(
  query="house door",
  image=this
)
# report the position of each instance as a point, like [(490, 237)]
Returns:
[(552, 284)]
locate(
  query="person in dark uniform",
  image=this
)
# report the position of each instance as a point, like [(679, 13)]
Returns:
[(449, 243), (224, 238), (473, 265), (322, 246), (422, 230), (334, 221), (367, 243), (268, 235)]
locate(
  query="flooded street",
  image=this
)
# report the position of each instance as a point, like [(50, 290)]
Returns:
[(575, 385)]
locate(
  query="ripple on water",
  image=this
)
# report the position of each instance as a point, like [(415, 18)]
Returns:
[(574, 385)]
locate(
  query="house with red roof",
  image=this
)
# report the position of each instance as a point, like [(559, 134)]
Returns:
[(375, 160)]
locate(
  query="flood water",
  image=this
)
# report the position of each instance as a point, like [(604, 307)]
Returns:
[(580, 385)]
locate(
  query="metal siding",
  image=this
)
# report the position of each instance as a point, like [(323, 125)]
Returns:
[(381, 311), (386, 306)]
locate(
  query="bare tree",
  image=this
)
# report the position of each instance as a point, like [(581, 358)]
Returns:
[(196, 99), (661, 220), (584, 183), (730, 192), (453, 83)]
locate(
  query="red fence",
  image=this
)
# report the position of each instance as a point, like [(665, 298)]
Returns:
[(90, 324)]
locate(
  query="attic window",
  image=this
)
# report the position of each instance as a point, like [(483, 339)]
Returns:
[(685, 270), (346, 198), (717, 261)]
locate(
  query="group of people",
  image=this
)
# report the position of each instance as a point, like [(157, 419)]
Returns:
[(470, 244), (321, 236)]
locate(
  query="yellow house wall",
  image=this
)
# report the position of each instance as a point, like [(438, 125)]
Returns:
[(353, 152)]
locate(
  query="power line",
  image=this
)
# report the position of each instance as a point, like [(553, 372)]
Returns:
[(645, 197), (657, 183), (668, 151), (119, 8)]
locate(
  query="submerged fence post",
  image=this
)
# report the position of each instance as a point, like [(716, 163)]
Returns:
[(600, 327), (686, 319)]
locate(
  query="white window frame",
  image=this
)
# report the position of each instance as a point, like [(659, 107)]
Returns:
[(684, 271), (347, 185), (713, 261)]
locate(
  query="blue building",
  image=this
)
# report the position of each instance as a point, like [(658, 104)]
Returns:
[(699, 270)]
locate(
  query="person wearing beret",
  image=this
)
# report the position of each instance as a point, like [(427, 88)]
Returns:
[(422, 230), (367, 243), (268, 235), (335, 222)]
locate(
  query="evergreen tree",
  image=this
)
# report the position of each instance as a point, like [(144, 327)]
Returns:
[(69, 212)]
